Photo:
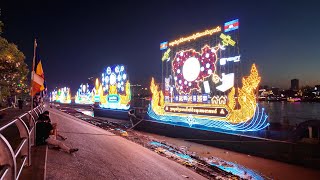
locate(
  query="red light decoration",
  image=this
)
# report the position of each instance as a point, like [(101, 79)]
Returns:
[(207, 60)]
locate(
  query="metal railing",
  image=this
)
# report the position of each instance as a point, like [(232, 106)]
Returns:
[(26, 124)]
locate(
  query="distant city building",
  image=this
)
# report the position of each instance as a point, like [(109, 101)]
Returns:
[(295, 84)]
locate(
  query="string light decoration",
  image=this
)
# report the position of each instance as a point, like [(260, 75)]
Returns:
[(191, 67), (246, 98), (114, 90), (247, 118), (62, 95), (84, 95), (195, 36), (200, 92)]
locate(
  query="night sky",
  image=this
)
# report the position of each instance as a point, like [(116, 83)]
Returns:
[(79, 39)]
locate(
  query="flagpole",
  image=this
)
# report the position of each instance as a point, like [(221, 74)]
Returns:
[(33, 65)]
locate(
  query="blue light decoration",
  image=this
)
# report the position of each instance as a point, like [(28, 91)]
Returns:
[(236, 169), (84, 95), (114, 90), (258, 122)]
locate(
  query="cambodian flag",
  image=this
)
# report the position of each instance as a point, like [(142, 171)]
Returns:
[(164, 45), (231, 25)]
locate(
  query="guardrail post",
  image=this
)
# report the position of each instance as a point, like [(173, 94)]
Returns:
[(32, 124), (7, 157), (24, 133)]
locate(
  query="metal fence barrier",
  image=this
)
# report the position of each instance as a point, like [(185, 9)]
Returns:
[(26, 124)]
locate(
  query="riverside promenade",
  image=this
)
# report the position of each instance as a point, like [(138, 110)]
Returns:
[(103, 155)]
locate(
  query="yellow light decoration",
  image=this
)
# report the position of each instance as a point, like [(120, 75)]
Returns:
[(231, 100), (97, 84), (156, 106), (125, 99), (113, 89), (226, 40), (246, 100), (195, 36), (215, 78), (166, 55), (100, 92)]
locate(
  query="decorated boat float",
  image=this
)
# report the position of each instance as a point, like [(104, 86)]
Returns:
[(203, 87), (112, 94)]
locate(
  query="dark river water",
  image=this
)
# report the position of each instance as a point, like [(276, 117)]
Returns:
[(291, 113)]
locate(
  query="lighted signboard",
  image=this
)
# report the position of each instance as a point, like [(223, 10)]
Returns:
[(203, 85), (84, 95), (113, 90)]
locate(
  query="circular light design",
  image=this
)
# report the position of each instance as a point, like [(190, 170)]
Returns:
[(178, 71), (119, 77), (207, 55), (209, 71), (175, 78), (106, 79), (119, 85), (191, 69), (181, 54), (180, 81), (202, 68), (113, 79), (122, 68), (117, 69), (107, 87), (122, 88), (108, 70), (189, 83), (178, 59), (207, 65), (124, 76), (185, 82)]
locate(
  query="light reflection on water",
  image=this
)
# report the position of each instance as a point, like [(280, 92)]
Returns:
[(86, 112), (291, 113)]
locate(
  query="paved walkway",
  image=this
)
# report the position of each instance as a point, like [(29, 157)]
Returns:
[(102, 155)]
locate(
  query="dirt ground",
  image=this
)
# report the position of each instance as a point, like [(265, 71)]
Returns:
[(270, 168)]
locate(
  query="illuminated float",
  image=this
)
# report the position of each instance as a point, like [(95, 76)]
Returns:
[(202, 84), (84, 95), (112, 92), (53, 96), (62, 95)]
